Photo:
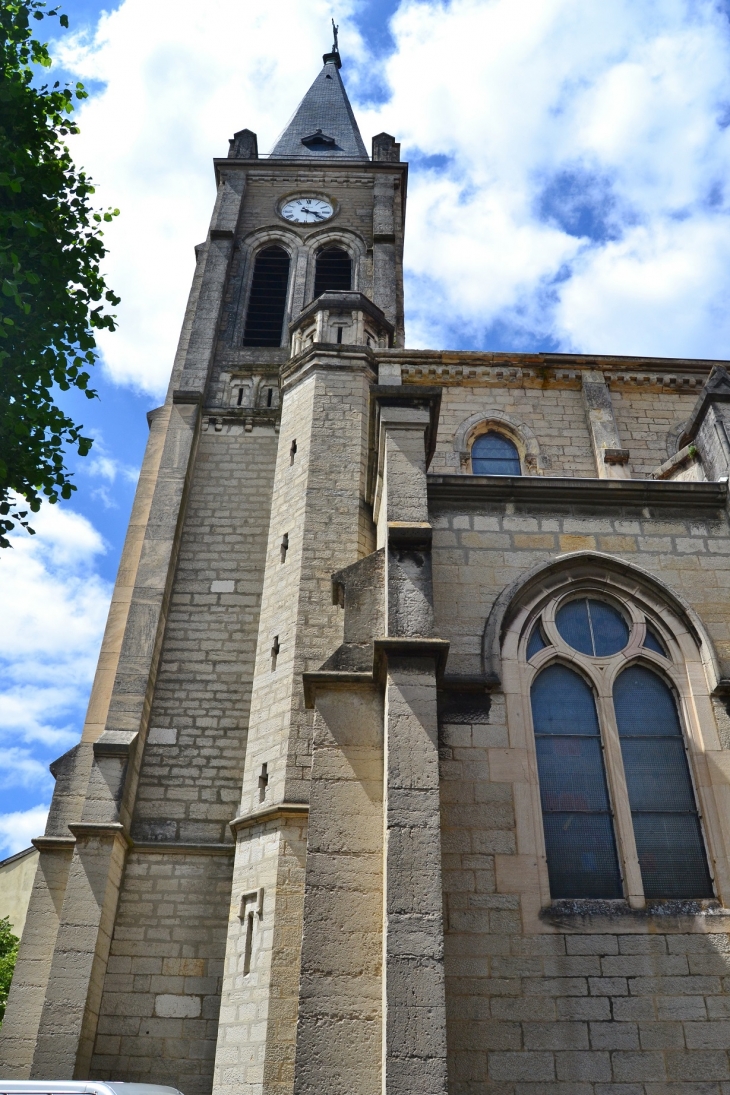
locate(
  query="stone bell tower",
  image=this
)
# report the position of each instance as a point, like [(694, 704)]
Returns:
[(170, 887)]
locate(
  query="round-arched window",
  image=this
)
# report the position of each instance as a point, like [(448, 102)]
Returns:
[(494, 454)]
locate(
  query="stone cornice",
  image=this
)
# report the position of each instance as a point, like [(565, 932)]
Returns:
[(170, 847), (269, 813), (465, 491), (90, 829), (327, 357), (54, 843), (608, 363)]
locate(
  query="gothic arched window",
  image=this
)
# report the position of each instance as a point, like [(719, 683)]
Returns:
[(576, 812), (663, 809), (333, 270), (267, 299), (494, 454), (615, 781)]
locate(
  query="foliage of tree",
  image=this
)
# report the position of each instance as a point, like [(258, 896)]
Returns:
[(53, 296), (9, 944)]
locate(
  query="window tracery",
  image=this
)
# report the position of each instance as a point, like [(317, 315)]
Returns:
[(620, 815)]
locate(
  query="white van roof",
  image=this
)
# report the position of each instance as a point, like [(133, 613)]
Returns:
[(82, 1087)]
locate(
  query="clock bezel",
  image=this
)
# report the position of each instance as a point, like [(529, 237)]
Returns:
[(307, 194)]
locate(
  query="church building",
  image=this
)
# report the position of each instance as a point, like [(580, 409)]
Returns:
[(406, 767)]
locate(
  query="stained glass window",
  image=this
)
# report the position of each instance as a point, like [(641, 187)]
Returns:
[(494, 454), (579, 837), (666, 823), (536, 642), (592, 627), (653, 642)]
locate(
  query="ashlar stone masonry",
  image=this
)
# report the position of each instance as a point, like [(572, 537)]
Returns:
[(312, 840)]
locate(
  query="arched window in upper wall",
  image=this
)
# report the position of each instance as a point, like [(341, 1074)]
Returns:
[(651, 779), (663, 808), (333, 270), (267, 299), (494, 454)]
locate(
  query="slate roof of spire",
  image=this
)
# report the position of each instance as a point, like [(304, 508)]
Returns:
[(324, 125)]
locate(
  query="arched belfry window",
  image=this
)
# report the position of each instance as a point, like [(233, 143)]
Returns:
[(494, 454), (619, 812), (267, 299), (333, 270)]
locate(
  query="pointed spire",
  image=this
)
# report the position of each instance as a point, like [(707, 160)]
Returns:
[(324, 125)]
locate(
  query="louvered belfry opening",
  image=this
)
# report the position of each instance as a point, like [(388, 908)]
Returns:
[(333, 270), (267, 302)]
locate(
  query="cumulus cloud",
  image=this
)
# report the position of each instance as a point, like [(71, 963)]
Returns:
[(18, 828), (54, 610), (569, 161), (578, 198), (179, 80)]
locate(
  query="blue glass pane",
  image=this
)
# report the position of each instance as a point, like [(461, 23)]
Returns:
[(573, 624), (644, 705), (666, 826), (656, 774), (672, 855), (536, 642), (652, 642), (494, 454), (562, 703), (592, 627), (610, 633), (571, 774), (581, 856), (579, 838)]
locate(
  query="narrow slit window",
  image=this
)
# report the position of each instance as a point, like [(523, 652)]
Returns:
[(333, 270), (667, 827), (576, 813), (248, 946), (267, 301), (494, 454)]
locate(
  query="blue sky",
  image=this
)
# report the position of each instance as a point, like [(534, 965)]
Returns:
[(568, 191)]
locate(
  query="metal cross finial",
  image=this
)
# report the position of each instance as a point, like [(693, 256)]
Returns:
[(335, 29)]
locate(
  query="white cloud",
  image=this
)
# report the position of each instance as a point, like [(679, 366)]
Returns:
[(54, 610), (582, 201), (180, 80), (18, 828)]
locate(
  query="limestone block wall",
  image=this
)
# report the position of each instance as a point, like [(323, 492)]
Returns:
[(477, 554), (161, 992), (649, 420), (193, 764), (539, 397), (581, 1005), (159, 1012)]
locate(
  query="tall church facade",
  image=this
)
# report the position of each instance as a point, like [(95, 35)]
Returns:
[(407, 760)]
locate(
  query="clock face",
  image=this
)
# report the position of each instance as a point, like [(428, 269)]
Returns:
[(307, 210)]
